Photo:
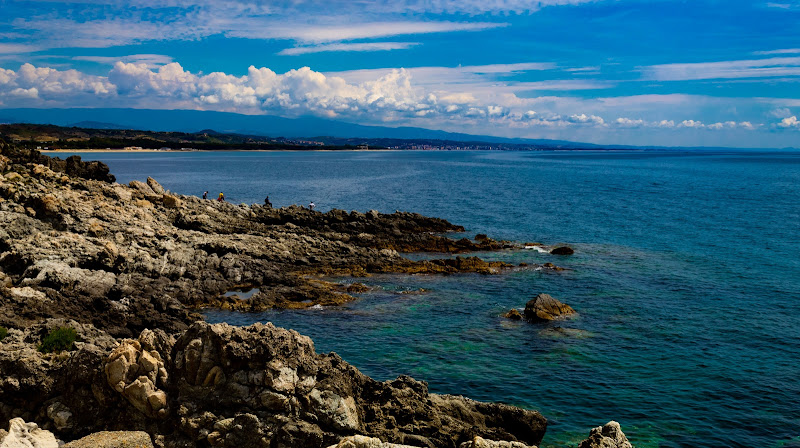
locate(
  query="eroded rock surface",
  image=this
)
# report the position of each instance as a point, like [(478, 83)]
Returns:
[(26, 435), (224, 386)]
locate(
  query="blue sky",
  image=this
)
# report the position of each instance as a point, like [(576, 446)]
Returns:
[(712, 73)]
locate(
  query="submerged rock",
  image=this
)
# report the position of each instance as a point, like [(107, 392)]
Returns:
[(545, 308), (609, 435), (563, 250)]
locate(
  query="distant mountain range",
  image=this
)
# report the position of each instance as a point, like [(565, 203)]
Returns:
[(263, 125), (295, 131)]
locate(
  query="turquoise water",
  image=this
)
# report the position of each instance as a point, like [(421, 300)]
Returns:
[(686, 277)]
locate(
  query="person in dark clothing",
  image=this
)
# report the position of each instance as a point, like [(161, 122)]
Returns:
[(205, 195), (267, 203)]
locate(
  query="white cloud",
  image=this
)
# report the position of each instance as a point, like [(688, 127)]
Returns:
[(258, 28), (789, 123), (391, 98), (692, 124), (365, 46), (629, 123), (150, 60), (754, 68), (6, 48), (782, 51), (586, 119)]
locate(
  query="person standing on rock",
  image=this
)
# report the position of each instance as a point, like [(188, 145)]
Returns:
[(311, 205), (205, 195), (267, 203), (221, 197)]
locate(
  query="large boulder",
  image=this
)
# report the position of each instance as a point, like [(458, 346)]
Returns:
[(26, 435), (155, 186), (609, 435), (544, 308)]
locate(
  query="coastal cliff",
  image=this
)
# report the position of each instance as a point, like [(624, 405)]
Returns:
[(125, 267)]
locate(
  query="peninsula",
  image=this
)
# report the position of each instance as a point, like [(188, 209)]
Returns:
[(100, 284)]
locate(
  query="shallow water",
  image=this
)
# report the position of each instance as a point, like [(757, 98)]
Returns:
[(686, 277)]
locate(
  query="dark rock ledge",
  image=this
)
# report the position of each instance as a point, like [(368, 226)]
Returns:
[(115, 261)]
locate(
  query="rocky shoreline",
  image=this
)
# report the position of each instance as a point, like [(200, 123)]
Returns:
[(128, 266)]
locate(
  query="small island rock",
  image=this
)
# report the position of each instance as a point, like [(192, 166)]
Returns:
[(514, 314), (544, 308)]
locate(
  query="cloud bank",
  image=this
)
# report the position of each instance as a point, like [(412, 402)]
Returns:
[(391, 98)]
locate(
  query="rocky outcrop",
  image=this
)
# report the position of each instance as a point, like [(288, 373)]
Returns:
[(544, 308), (513, 314), (480, 442), (359, 441), (126, 258), (26, 435), (227, 386), (609, 435)]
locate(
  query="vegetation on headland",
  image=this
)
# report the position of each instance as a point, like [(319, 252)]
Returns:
[(50, 137), (3, 333), (59, 339)]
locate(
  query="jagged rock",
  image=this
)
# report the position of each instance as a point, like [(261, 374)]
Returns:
[(563, 250), (171, 201), (359, 441), (609, 435), (142, 187), (480, 442), (513, 314), (26, 435), (545, 308), (155, 186), (136, 370)]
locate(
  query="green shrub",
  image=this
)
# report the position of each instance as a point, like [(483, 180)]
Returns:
[(3, 333), (61, 338)]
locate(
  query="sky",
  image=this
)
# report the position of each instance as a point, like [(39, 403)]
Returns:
[(633, 72)]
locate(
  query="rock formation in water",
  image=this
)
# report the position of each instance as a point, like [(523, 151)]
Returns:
[(544, 307)]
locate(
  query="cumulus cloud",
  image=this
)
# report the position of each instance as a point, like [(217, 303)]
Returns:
[(789, 123), (391, 97), (586, 119)]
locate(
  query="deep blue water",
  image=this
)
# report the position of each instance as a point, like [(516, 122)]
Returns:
[(686, 277)]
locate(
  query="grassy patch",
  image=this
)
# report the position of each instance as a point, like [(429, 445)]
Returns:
[(3, 333), (61, 338)]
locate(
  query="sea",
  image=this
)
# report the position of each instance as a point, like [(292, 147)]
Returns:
[(685, 277)]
